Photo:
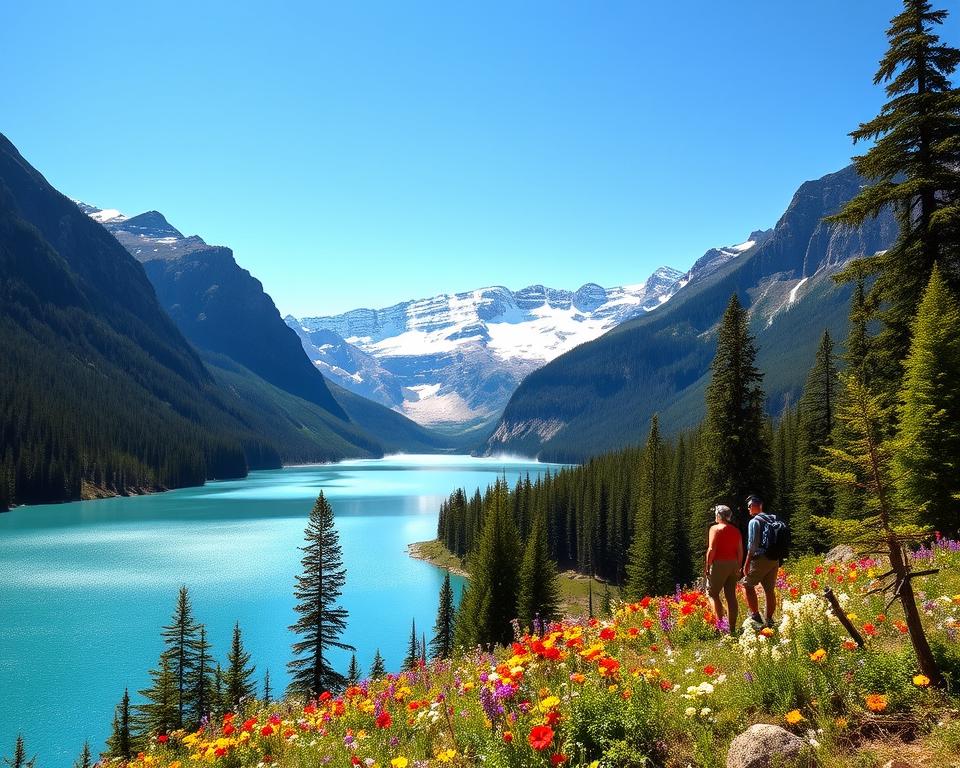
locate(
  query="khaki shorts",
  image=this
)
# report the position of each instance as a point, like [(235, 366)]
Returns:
[(722, 573), (763, 572)]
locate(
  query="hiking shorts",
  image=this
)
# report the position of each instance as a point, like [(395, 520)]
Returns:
[(722, 573), (763, 572)]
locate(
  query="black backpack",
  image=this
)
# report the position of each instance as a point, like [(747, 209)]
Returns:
[(774, 537)]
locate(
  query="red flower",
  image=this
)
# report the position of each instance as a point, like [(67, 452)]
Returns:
[(228, 729), (267, 730), (310, 709), (220, 751), (709, 670), (384, 720), (647, 623), (608, 667), (275, 719), (355, 760), (633, 631), (248, 724), (645, 603), (607, 633), (552, 717), (507, 736), (869, 629), (325, 696), (540, 736), (665, 685), (558, 759)]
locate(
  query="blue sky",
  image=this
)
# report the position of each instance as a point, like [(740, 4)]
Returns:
[(362, 153)]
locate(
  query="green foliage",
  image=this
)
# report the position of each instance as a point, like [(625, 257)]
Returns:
[(181, 640), (734, 452), (914, 165), (927, 449), (814, 496), (616, 732), (441, 646), (238, 680), (321, 621), (490, 604), (378, 667), (85, 760), (353, 671), (19, 759), (412, 658), (121, 743), (539, 593), (161, 712)]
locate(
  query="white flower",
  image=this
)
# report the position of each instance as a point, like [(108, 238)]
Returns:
[(705, 712), (690, 711)]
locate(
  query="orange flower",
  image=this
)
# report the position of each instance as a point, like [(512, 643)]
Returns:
[(876, 702), (849, 645), (818, 655), (576, 677), (921, 681), (540, 736)]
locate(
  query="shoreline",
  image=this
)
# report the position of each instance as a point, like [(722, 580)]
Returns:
[(417, 550)]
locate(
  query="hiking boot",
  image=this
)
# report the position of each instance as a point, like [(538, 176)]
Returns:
[(756, 620), (770, 623)]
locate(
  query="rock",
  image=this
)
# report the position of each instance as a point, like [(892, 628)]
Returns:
[(842, 553), (764, 746), (897, 764)]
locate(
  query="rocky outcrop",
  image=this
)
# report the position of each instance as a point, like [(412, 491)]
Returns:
[(767, 746)]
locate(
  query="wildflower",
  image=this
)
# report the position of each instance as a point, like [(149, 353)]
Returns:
[(921, 681), (709, 670), (399, 762), (793, 717), (558, 759), (840, 722), (766, 632), (507, 736), (549, 703), (267, 730), (540, 736), (869, 629), (576, 677), (818, 655), (849, 645), (876, 702), (446, 755), (384, 720), (163, 738), (607, 633)]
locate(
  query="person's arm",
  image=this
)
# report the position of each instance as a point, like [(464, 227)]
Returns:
[(739, 547), (710, 553), (752, 544)]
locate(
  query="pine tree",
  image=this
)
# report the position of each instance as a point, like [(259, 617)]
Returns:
[(267, 690), (84, 760), (353, 671), (19, 759), (927, 452), (120, 743), (423, 650), (181, 637), (734, 456), (321, 620), (490, 603), (413, 648), (914, 166), (160, 713), (645, 567), (219, 696), (201, 680), (814, 496), (676, 539), (539, 594), (441, 646), (378, 668), (238, 682)]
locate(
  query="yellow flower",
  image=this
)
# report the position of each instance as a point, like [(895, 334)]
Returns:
[(841, 722), (818, 655), (793, 717), (549, 703), (399, 762), (446, 755), (921, 681)]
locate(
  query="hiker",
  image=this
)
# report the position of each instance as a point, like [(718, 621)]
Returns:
[(767, 543), (722, 567)]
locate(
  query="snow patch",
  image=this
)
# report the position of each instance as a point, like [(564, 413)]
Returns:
[(793, 292)]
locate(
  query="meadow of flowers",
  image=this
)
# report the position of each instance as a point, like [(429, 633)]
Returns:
[(657, 683)]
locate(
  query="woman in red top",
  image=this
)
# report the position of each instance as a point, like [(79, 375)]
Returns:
[(722, 567)]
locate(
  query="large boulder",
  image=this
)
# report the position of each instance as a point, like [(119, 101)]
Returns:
[(765, 746), (842, 553)]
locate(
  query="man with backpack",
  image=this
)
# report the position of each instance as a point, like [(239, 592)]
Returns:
[(768, 541)]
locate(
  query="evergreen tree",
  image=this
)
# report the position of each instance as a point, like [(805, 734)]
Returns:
[(423, 649), (914, 166), (734, 455), (321, 621), (19, 759), (181, 637), (353, 671), (201, 681), (84, 760), (539, 593), (378, 668), (219, 695), (160, 714), (676, 539), (238, 682), (413, 648), (814, 496), (927, 453), (490, 604), (645, 568), (267, 690), (120, 743), (441, 646)]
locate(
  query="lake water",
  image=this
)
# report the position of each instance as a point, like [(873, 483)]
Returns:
[(86, 587)]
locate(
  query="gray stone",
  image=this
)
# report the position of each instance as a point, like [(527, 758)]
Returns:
[(897, 763), (764, 746), (842, 553)]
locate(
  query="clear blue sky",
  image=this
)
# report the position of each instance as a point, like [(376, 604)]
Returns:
[(362, 153)]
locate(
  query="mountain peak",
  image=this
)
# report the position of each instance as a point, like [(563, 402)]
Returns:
[(151, 224)]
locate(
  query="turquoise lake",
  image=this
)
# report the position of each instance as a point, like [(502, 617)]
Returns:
[(86, 587)]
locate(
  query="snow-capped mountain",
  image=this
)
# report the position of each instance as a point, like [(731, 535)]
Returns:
[(457, 358)]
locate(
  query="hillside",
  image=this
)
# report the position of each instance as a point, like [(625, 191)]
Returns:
[(601, 395), (100, 393)]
